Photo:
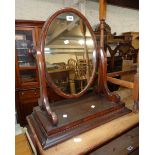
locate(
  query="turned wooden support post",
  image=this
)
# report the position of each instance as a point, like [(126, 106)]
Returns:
[(101, 55), (102, 15), (102, 77), (102, 9)]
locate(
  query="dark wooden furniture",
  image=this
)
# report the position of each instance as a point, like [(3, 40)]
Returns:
[(81, 111), (134, 4), (123, 51), (118, 48), (27, 80), (129, 80), (27, 88), (133, 37)]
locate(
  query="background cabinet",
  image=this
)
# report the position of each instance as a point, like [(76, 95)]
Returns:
[(27, 80)]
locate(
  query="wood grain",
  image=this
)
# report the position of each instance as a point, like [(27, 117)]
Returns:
[(119, 145), (22, 146), (120, 82), (102, 9), (92, 138), (119, 73)]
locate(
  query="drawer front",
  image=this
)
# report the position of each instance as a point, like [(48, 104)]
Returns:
[(26, 107), (27, 100), (29, 94)]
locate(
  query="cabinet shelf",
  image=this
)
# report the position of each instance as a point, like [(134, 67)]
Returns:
[(27, 67)]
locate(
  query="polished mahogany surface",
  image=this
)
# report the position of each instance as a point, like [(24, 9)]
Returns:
[(95, 138), (75, 117), (71, 110)]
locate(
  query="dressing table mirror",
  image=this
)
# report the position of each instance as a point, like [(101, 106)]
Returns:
[(69, 62), (70, 54)]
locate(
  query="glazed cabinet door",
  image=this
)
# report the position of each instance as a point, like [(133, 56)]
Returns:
[(25, 60)]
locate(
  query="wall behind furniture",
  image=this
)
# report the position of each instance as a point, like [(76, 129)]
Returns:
[(120, 19)]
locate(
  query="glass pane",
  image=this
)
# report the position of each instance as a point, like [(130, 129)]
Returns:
[(28, 75), (24, 45), (69, 49)]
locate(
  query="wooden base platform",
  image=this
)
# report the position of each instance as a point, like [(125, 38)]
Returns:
[(75, 117)]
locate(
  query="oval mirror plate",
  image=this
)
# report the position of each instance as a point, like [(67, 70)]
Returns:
[(69, 48)]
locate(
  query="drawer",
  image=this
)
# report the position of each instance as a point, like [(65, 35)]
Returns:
[(26, 108), (29, 94)]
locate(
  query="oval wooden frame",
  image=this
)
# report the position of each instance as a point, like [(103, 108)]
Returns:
[(42, 43)]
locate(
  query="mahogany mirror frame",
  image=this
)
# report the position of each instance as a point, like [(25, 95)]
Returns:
[(42, 45), (100, 60)]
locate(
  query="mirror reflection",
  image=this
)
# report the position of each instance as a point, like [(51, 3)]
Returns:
[(68, 53)]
